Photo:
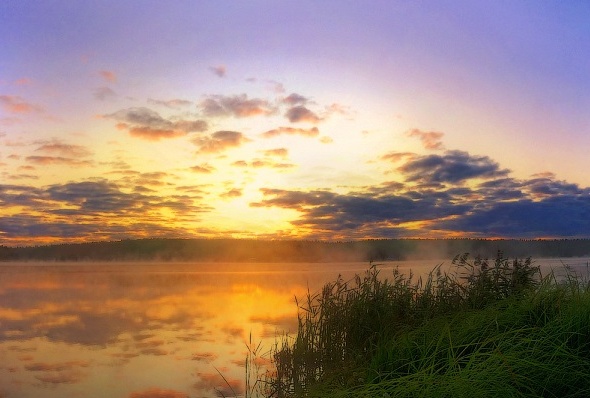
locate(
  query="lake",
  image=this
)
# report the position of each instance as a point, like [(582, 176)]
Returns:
[(153, 330)]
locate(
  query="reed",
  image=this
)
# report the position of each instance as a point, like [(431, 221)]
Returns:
[(486, 328)]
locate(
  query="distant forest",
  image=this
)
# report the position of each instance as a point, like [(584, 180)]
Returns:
[(245, 250)]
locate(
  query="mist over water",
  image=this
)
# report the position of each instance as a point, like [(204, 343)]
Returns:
[(147, 330)]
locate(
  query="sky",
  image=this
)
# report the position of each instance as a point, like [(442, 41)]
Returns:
[(331, 120)]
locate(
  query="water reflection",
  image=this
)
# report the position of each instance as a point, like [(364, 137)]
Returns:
[(146, 330), (139, 330)]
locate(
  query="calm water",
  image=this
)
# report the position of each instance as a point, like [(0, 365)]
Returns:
[(150, 330)]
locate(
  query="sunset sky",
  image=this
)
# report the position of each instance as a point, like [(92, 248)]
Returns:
[(331, 120)]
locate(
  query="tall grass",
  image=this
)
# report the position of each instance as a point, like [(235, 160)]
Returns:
[(487, 328)]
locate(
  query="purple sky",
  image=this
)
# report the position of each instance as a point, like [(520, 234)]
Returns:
[(293, 119)]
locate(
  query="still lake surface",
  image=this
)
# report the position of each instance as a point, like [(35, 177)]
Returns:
[(154, 330)]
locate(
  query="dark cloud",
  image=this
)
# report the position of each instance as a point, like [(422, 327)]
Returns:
[(298, 114), (328, 214), (20, 195), (220, 141), (438, 202), (90, 196), (312, 132), (429, 139), (548, 187), (561, 216), (93, 209), (452, 167), (237, 106), (147, 124)]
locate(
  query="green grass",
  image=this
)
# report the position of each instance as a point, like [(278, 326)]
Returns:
[(488, 329)]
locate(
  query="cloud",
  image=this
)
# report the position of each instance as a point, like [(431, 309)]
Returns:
[(429, 139), (329, 210), (276, 87), (232, 193), (561, 216), (240, 163), (442, 204), (62, 149), (395, 157), (294, 99), (57, 160), (151, 134), (172, 104), (203, 168), (257, 163), (220, 70), (220, 141), (24, 81), (94, 196), (149, 125), (261, 163), (312, 132), (141, 116), (21, 177), (16, 104), (340, 109), (108, 76), (158, 393), (547, 186), (452, 167), (299, 114), (190, 125), (104, 93), (237, 106), (280, 152)]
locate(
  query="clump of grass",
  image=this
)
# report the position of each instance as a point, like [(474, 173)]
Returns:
[(489, 328)]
